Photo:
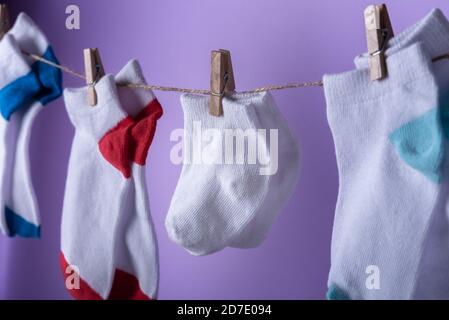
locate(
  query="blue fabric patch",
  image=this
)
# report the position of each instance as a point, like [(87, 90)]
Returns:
[(43, 83), (49, 77), (17, 94), (335, 293), (18, 226), (420, 143)]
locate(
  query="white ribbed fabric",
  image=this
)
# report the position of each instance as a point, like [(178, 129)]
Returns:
[(285, 168), (22, 200), (217, 196), (38, 85), (389, 147), (136, 250), (12, 67), (433, 32)]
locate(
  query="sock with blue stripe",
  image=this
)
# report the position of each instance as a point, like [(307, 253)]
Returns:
[(18, 86), (39, 85)]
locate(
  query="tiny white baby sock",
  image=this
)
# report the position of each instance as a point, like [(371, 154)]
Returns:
[(221, 187), (389, 147), (98, 189), (136, 244), (282, 161), (21, 207)]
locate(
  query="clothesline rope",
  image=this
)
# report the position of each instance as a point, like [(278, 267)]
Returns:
[(174, 89)]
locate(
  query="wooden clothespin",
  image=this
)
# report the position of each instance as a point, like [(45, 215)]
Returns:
[(221, 80), (4, 20), (378, 32), (94, 72)]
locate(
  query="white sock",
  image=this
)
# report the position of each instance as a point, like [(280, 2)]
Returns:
[(284, 166), (98, 188), (18, 86), (433, 32), (389, 147), (21, 208), (218, 194), (136, 250)]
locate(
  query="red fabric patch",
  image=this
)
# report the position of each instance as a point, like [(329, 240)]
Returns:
[(114, 146), (124, 287), (142, 132), (85, 292)]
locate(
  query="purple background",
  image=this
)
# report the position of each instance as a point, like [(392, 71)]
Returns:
[(271, 42)]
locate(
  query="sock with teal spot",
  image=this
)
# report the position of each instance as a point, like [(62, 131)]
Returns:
[(389, 146), (433, 32)]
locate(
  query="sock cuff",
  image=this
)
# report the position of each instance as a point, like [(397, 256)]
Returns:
[(195, 107), (143, 130), (28, 35), (30, 38), (18, 84), (50, 78), (236, 108), (98, 119), (133, 100), (354, 87), (432, 31), (260, 100), (12, 63)]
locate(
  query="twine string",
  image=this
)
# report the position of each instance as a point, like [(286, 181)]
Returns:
[(195, 91), (63, 68), (175, 89)]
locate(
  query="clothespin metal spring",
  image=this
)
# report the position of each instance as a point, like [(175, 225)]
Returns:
[(385, 37)]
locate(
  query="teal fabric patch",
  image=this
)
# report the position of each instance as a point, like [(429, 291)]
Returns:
[(18, 226), (444, 114), (420, 143), (335, 293)]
